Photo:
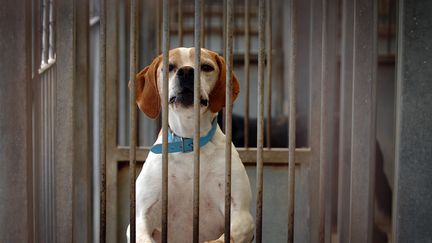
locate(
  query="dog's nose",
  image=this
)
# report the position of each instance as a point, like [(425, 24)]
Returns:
[(186, 77), (185, 72)]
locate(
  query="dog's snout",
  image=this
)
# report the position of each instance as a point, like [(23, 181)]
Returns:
[(186, 77), (185, 72)]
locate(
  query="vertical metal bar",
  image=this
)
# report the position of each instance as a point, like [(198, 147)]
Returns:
[(180, 22), (53, 87), (345, 121), (49, 157), (292, 120), (228, 116), (246, 70), (412, 216), (363, 120), (197, 106), (260, 120), (324, 117), (165, 50), (102, 116), (315, 114), (269, 70), (44, 158), (134, 6)]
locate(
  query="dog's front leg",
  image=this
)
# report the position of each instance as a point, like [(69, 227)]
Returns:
[(143, 233), (242, 228)]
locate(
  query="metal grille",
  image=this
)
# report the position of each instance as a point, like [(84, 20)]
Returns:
[(315, 163)]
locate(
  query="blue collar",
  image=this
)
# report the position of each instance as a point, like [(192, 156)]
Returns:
[(181, 144)]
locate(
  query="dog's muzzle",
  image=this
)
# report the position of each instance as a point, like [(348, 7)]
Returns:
[(185, 94)]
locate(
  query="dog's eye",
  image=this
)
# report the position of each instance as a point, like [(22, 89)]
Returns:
[(171, 67), (206, 68)]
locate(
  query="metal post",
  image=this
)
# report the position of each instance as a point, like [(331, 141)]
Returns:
[(260, 120), (292, 121), (102, 118), (363, 120), (228, 116), (134, 6), (165, 50), (412, 216), (268, 30), (315, 114), (345, 121), (197, 106), (323, 122), (246, 70)]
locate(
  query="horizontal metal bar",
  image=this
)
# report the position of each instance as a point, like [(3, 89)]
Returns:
[(274, 156)]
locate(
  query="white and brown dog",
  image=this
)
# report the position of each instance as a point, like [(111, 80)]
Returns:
[(212, 163)]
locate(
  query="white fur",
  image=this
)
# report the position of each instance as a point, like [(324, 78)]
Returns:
[(180, 180)]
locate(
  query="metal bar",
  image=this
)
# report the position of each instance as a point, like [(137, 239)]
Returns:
[(324, 133), (54, 73), (260, 120), (345, 121), (246, 70), (363, 120), (180, 22), (412, 216), (315, 114), (292, 120), (197, 106), (102, 118), (134, 6), (228, 116), (269, 70), (165, 50)]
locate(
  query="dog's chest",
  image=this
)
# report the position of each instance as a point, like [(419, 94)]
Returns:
[(212, 190)]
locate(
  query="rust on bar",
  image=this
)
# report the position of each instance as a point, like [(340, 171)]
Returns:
[(246, 74), (260, 121), (134, 6), (228, 116), (165, 50), (292, 121), (197, 106), (268, 30), (102, 118)]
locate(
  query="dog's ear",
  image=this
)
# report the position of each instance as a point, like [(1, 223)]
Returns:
[(217, 95), (146, 89)]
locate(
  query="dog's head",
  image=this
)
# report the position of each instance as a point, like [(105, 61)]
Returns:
[(181, 82)]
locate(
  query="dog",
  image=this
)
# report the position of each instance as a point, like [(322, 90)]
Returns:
[(180, 173)]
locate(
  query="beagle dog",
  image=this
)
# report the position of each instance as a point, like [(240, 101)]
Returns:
[(180, 156)]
